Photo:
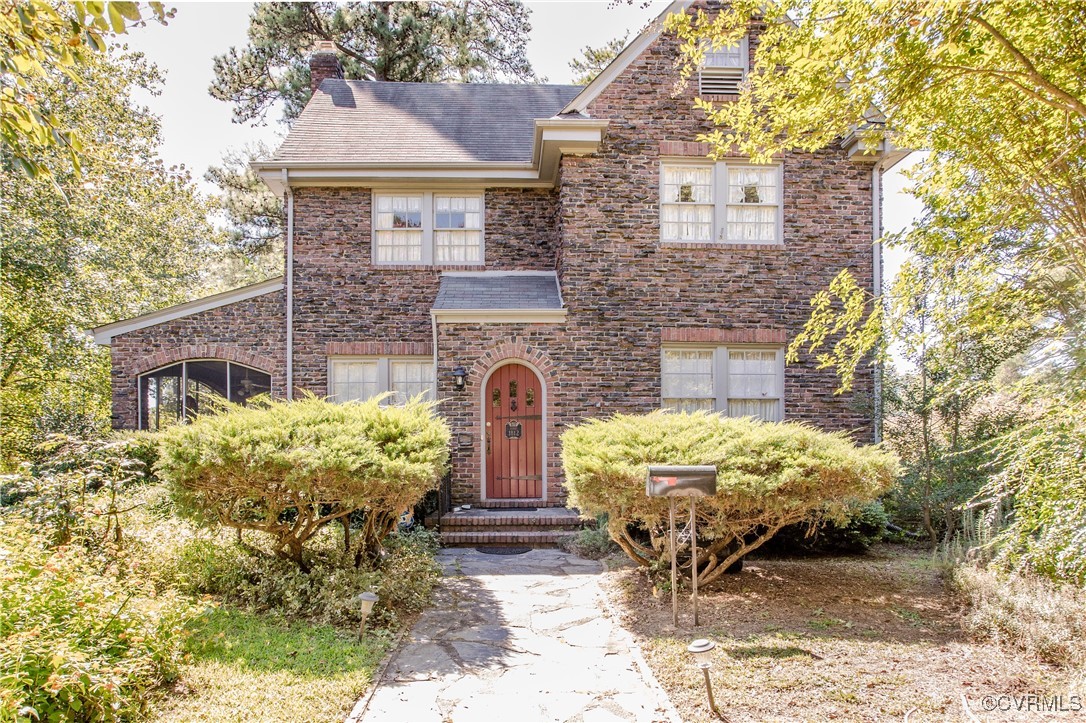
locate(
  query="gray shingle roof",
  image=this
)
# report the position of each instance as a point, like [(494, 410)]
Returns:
[(383, 122), (497, 290)]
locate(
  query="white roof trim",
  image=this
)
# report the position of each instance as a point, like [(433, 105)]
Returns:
[(104, 334), (631, 52), (499, 316)]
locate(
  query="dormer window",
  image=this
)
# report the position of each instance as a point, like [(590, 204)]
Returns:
[(723, 70), (425, 228)]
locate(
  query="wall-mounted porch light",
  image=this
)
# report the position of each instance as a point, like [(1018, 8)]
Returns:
[(459, 375), (702, 650)]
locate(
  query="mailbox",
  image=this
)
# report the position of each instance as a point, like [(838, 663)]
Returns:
[(673, 481)]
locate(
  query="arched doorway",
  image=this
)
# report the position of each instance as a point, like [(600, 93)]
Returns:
[(513, 443)]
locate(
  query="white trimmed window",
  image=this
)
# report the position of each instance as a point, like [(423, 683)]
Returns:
[(363, 378), (720, 202), (738, 381), (428, 228), (723, 70)]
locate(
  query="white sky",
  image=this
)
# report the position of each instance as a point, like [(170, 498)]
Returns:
[(198, 130)]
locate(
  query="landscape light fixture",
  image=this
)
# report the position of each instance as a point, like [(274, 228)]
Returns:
[(702, 650), (367, 600), (458, 375)]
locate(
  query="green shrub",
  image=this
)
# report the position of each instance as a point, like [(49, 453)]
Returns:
[(592, 542), (769, 476), (861, 525), (1044, 472), (288, 469), (249, 579), (77, 643)]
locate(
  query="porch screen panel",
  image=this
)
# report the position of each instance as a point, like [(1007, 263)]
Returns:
[(458, 229), (398, 229), (687, 380)]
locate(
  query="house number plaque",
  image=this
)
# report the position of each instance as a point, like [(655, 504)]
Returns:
[(513, 430)]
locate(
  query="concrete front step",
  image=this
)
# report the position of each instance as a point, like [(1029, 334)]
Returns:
[(535, 528)]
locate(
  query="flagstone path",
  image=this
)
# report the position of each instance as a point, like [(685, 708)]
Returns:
[(516, 638)]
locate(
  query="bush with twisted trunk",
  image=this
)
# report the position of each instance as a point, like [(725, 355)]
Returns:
[(289, 468), (768, 475)]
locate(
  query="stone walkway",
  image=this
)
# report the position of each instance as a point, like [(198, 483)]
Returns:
[(516, 638)]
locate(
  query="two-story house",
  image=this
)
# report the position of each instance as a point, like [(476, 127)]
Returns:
[(530, 255)]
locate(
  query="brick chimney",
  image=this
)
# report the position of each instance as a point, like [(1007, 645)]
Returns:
[(323, 63)]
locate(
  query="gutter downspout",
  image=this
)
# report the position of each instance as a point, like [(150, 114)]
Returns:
[(290, 285), (876, 274)]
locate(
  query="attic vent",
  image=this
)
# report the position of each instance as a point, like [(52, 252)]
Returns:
[(720, 81), (723, 69)]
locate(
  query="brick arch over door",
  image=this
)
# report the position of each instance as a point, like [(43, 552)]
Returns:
[(220, 352), (516, 350)]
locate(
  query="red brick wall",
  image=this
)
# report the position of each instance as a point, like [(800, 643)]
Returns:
[(340, 296), (250, 332)]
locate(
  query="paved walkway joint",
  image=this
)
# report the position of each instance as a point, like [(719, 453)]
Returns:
[(516, 638)]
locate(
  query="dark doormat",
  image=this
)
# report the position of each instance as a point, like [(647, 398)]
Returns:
[(503, 550)]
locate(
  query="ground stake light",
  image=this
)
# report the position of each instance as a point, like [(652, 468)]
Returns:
[(702, 650), (367, 600)]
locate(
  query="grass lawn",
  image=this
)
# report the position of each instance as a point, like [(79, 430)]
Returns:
[(247, 667), (873, 637)]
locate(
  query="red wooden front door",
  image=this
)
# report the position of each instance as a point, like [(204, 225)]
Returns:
[(513, 435)]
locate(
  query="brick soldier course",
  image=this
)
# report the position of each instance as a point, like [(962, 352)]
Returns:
[(624, 291)]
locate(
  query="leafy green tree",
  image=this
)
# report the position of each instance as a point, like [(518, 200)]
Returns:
[(994, 92), (465, 40), (43, 39), (122, 237), (255, 216), (593, 60)]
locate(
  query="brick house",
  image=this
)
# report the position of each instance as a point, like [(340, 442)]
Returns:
[(531, 255)]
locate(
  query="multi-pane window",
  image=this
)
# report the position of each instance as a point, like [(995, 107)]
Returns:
[(686, 207), (687, 380), (738, 381), (723, 69), (720, 203), (458, 229), (398, 229), (754, 198), (205, 382), (428, 228), (360, 379)]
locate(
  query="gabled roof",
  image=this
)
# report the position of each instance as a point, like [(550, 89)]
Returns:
[(513, 296), (104, 334), (353, 121)]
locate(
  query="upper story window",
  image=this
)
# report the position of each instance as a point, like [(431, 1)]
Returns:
[(738, 381), (723, 70), (720, 202), (363, 378), (183, 390), (428, 228)]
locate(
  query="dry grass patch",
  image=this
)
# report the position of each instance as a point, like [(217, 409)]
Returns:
[(846, 638)]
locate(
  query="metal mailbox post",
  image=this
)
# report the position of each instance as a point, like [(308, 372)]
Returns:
[(677, 481)]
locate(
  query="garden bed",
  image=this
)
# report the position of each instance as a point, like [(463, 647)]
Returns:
[(873, 637)]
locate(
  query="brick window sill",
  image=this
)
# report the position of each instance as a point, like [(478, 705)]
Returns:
[(717, 247)]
